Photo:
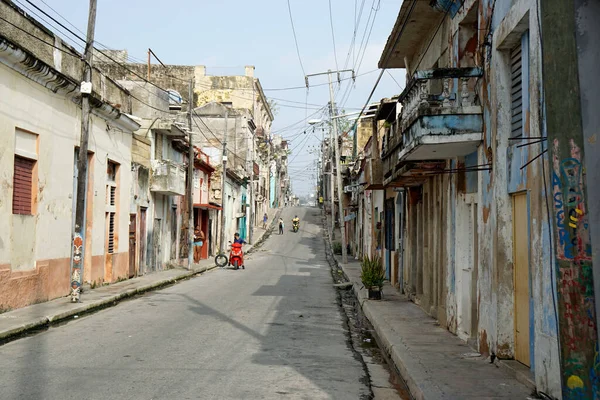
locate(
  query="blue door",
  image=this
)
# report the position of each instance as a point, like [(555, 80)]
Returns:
[(242, 221), (389, 236)]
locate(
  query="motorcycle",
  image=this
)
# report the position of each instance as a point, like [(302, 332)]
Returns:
[(296, 226), (236, 256)]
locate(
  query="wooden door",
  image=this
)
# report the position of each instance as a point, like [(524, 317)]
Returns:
[(210, 238), (143, 239), (204, 228), (132, 244), (157, 245), (173, 254), (521, 277), (389, 236)]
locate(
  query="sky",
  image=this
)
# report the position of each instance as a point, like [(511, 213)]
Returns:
[(226, 35)]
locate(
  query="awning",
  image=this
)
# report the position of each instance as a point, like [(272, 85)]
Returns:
[(204, 206), (375, 186)]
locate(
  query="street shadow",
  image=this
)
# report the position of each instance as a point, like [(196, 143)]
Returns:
[(307, 332)]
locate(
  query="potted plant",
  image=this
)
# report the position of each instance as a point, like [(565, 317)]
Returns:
[(372, 276), (337, 248)]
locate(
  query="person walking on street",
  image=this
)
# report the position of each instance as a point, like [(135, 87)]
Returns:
[(281, 226), (265, 219)]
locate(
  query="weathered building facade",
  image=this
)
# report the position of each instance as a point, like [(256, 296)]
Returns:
[(473, 227), (570, 91), (214, 125), (157, 212), (460, 215), (40, 130), (241, 93)]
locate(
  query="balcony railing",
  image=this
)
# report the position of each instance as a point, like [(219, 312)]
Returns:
[(446, 93), (441, 118), (441, 87), (203, 157), (168, 177)]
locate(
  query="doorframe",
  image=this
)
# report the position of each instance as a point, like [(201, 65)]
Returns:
[(143, 240), (400, 212), (133, 217)]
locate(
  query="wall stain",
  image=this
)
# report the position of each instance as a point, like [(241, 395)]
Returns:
[(484, 347)]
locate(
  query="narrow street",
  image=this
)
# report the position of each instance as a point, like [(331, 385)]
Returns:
[(273, 330)]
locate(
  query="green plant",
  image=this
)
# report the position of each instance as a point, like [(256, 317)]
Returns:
[(337, 247), (371, 272)]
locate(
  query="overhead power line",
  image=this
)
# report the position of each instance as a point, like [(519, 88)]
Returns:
[(295, 38), (212, 133), (67, 52), (392, 76), (157, 59), (98, 50), (358, 64), (130, 94), (125, 58), (318, 84), (332, 37), (404, 24)]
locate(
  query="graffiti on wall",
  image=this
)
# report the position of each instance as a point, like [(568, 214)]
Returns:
[(76, 269), (575, 285)]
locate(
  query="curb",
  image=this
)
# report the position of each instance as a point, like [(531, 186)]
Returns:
[(394, 353), (391, 350), (258, 241), (87, 308)]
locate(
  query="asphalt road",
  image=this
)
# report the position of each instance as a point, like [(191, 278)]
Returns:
[(271, 331)]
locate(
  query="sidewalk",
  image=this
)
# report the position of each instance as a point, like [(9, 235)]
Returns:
[(39, 316), (259, 232), (434, 363)]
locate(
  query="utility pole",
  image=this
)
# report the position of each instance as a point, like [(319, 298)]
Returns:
[(277, 183), (78, 240), (331, 175), (223, 178), (337, 155), (251, 189), (571, 123), (190, 188)]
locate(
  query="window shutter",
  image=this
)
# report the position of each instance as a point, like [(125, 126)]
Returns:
[(23, 185), (516, 95), (111, 233)]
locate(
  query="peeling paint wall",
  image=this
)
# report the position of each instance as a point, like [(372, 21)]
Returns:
[(477, 266), (43, 272), (587, 13), (510, 25)]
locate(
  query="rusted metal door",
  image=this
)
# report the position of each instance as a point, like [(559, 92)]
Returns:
[(521, 276), (132, 243)]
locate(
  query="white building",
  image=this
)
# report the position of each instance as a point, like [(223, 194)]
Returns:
[(40, 127)]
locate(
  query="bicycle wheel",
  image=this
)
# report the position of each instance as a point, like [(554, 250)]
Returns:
[(221, 260)]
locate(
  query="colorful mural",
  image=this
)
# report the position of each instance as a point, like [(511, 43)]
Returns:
[(575, 284)]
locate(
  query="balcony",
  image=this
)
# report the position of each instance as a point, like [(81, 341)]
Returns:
[(168, 178), (441, 119)]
